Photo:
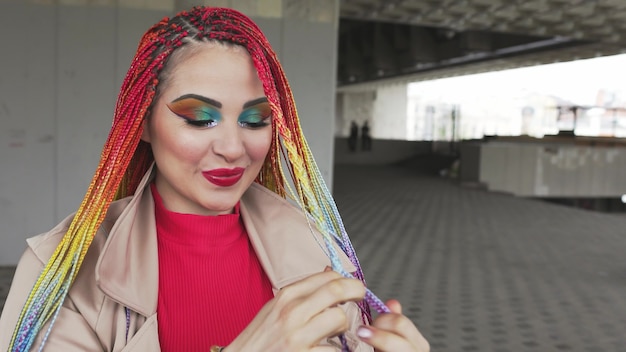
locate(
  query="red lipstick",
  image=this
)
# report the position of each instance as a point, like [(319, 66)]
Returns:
[(224, 177)]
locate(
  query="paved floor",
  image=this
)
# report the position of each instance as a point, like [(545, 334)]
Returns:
[(480, 271)]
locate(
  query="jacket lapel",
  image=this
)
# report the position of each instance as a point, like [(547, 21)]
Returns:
[(287, 247), (127, 270)]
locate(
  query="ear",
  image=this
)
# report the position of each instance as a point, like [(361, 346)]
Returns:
[(145, 133)]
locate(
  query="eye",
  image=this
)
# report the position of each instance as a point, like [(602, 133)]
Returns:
[(254, 122), (196, 113), (254, 125), (201, 123), (257, 117), (202, 117)]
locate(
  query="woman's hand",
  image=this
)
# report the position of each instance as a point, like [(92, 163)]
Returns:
[(301, 315), (393, 332)]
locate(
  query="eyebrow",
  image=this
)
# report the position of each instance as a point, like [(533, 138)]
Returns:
[(255, 102), (215, 103)]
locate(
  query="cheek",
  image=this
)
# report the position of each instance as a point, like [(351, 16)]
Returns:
[(259, 146), (190, 150), (178, 146)]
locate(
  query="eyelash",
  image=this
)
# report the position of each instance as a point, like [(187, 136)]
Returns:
[(201, 123), (213, 123), (253, 125)]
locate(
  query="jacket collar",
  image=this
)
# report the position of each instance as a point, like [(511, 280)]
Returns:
[(127, 269), (286, 244)]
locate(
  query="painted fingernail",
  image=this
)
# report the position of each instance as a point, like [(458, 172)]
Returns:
[(327, 268), (364, 332)]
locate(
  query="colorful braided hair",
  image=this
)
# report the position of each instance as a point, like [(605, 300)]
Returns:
[(118, 176)]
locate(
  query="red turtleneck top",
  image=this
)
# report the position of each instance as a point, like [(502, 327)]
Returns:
[(211, 284)]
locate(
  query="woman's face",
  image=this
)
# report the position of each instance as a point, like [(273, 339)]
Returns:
[(210, 130)]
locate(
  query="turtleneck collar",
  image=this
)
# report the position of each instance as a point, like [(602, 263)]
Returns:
[(199, 231)]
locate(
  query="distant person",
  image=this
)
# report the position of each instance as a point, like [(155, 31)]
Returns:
[(354, 136), (366, 139)]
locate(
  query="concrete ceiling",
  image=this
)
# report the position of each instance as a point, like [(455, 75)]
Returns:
[(410, 40)]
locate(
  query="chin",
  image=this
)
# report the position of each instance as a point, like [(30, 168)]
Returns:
[(222, 208)]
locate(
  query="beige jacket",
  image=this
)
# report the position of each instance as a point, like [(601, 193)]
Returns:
[(120, 271)]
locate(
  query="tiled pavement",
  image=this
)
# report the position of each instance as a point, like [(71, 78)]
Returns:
[(479, 271)]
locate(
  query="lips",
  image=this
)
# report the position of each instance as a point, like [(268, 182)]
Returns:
[(224, 177)]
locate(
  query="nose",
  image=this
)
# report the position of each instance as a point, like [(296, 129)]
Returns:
[(229, 143)]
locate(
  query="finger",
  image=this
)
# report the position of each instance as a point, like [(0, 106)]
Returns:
[(329, 295), (330, 322), (384, 341), (290, 296), (307, 285), (400, 325)]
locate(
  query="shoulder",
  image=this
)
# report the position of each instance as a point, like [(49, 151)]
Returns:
[(41, 247), (84, 292), (84, 296), (44, 245)]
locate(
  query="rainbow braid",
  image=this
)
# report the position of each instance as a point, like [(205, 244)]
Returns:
[(118, 176)]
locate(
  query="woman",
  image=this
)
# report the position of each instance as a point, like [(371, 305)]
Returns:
[(190, 245)]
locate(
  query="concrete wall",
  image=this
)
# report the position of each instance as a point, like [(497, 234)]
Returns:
[(62, 66), (354, 106), (390, 112), (550, 170)]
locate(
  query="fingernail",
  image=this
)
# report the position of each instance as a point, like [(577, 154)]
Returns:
[(364, 332), (327, 268)]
